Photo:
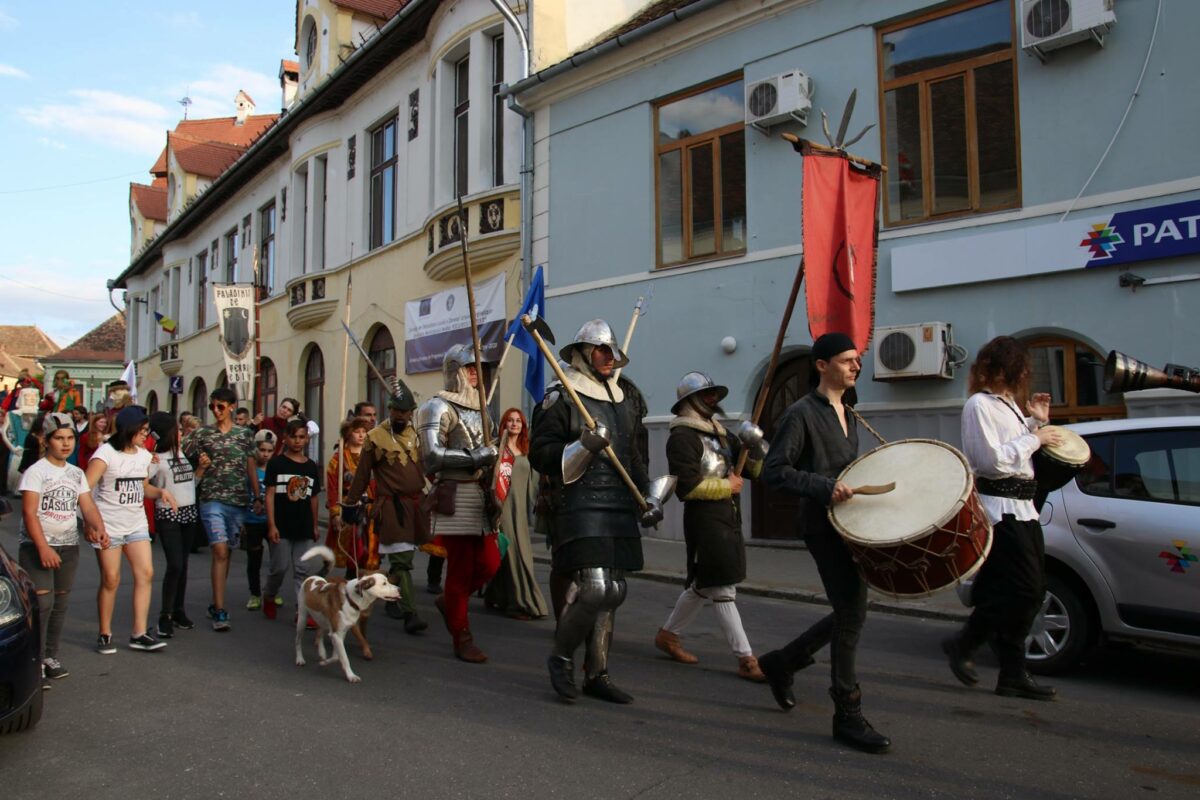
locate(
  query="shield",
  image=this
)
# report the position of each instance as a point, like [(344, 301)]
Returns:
[(235, 331)]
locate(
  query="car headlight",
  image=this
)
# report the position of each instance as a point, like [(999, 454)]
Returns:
[(11, 607)]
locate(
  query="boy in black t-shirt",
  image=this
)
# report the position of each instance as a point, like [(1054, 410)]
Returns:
[(293, 481)]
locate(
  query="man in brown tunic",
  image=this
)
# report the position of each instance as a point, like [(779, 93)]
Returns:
[(391, 455)]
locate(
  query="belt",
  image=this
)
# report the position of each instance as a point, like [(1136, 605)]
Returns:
[(1012, 488)]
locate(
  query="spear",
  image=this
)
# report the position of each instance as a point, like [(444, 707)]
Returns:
[(484, 422)]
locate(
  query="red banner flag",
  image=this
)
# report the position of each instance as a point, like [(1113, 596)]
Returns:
[(839, 202)]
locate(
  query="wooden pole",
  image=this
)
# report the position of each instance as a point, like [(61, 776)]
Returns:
[(484, 422), (508, 343), (797, 142), (345, 374), (258, 401), (761, 401), (637, 312)]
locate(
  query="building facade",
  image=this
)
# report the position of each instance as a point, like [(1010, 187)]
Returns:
[(93, 361), (1004, 209)]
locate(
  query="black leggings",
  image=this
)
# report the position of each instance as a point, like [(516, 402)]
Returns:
[(256, 536), (1008, 590), (176, 541)]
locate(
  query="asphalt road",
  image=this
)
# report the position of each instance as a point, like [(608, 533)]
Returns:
[(229, 715)]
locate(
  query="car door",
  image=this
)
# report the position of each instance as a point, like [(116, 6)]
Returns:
[(1137, 516)]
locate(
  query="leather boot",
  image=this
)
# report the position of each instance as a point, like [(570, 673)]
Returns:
[(413, 623), (778, 674), (669, 643), (1019, 683), (601, 687), (466, 649), (562, 677), (960, 660), (851, 727), (392, 609), (748, 668)]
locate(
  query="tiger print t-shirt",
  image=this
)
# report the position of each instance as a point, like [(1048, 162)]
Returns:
[(293, 485)]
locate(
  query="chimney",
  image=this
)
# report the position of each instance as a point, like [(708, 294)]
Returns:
[(289, 81), (245, 106)]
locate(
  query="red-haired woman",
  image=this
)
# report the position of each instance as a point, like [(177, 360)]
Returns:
[(515, 590)]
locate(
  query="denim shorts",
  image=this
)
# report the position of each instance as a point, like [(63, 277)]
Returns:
[(222, 522), (115, 542)]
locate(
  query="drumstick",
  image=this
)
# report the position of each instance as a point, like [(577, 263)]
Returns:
[(882, 488)]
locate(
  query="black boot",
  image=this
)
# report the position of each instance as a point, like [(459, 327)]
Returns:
[(413, 623), (779, 673), (851, 727), (392, 609), (1019, 683), (602, 688), (562, 677), (960, 660)]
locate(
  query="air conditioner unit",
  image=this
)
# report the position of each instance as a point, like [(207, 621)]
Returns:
[(780, 98), (1050, 24), (910, 352)]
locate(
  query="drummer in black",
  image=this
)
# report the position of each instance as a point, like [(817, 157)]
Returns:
[(817, 438), (999, 442)]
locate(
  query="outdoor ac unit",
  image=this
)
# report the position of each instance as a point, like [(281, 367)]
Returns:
[(1050, 24), (780, 98), (907, 352)]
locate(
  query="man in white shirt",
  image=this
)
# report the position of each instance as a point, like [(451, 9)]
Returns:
[(999, 442)]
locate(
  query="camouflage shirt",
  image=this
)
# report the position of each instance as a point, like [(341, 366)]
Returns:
[(225, 481)]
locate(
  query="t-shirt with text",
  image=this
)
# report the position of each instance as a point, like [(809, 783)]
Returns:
[(60, 488), (121, 490), (173, 472), (225, 479), (293, 485)]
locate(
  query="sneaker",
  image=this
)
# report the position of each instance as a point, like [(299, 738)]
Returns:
[(104, 644), (181, 620), (166, 628), (268, 609), (212, 611), (278, 599), (220, 618), (52, 668), (254, 603), (145, 642), (46, 685)]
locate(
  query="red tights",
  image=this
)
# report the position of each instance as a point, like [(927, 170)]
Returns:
[(471, 561)]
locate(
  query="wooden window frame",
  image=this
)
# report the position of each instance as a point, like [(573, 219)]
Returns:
[(317, 414), (1071, 411), (378, 170), (923, 80), (201, 288), (266, 248), (461, 120), (713, 137), (231, 255), (268, 386), (497, 111)]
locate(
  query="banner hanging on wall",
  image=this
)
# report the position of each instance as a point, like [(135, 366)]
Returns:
[(434, 324), (235, 310)]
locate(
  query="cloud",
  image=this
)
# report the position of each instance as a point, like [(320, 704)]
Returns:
[(52, 143), (9, 71), (7, 23), (117, 120), (213, 91)]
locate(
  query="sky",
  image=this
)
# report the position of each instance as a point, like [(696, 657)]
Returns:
[(87, 93)]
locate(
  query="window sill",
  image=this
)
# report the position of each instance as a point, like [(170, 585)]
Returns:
[(710, 259)]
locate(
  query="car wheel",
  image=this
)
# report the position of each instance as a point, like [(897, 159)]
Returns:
[(1061, 632), (27, 718)]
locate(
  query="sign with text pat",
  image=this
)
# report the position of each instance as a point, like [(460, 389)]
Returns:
[(434, 324), (235, 310)]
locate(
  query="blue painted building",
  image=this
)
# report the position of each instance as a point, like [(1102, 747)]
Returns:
[(1004, 208)]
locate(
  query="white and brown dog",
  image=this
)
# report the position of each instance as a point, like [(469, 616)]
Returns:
[(337, 605)]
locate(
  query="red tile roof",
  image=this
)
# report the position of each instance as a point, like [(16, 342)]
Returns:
[(380, 9), (204, 158), (26, 340), (105, 342), (160, 165), (151, 201), (288, 66), (222, 130)]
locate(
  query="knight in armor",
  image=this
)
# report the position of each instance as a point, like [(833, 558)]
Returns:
[(459, 461), (702, 454), (593, 517)]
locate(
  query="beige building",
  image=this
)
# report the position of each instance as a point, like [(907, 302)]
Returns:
[(390, 113), (22, 347)]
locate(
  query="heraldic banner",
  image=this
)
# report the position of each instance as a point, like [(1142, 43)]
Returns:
[(235, 310), (839, 204)]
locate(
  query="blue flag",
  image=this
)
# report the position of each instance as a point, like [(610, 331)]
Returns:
[(535, 364)]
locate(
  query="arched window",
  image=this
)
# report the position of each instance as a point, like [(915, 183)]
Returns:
[(268, 387), (383, 356), (774, 513), (1073, 375), (152, 402), (200, 400), (314, 397)]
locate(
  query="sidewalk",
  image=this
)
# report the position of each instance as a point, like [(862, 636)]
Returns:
[(785, 572)]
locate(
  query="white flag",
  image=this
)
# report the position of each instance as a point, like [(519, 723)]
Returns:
[(130, 377)]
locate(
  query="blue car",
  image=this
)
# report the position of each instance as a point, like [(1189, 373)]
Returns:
[(20, 644)]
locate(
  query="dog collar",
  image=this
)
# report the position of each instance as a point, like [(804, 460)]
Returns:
[(350, 600)]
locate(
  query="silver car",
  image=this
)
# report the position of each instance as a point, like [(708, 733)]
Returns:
[(1123, 543)]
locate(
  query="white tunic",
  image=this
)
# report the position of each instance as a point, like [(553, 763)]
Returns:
[(999, 442)]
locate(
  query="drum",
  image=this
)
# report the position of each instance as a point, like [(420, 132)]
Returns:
[(928, 533), (1056, 465)]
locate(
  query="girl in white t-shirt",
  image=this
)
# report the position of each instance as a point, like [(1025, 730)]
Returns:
[(52, 491), (118, 473)]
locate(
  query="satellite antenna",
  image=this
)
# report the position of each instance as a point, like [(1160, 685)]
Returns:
[(185, 101)]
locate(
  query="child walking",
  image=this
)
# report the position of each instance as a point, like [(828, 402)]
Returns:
[(173, 471), (256, 529), (51, 491), (293, 481)]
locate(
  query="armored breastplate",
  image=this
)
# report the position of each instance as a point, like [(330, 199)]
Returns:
[(601, 486), (715, 459), (466, 432)]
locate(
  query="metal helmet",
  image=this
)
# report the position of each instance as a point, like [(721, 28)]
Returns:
[(596, 332), (692, 384), (457, 357)]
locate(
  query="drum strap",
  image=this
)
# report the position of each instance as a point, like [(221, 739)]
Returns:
[(866, 424), (1013, 488)]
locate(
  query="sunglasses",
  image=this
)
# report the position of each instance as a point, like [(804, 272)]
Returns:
[(218, 406)]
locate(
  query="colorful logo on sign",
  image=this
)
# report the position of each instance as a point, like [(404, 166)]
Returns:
[(1180, 561), (1102, 240)]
